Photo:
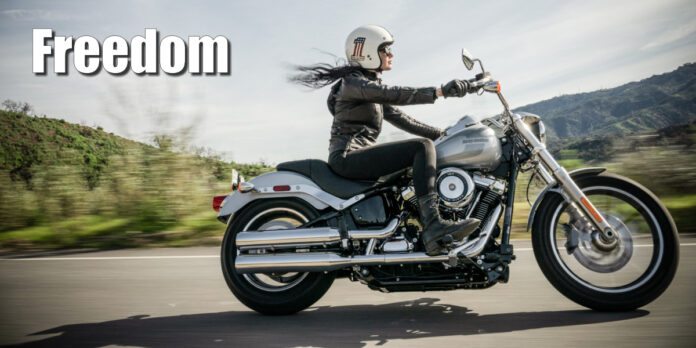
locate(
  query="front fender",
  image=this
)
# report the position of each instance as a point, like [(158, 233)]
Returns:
[(573, 174), (300, 187)]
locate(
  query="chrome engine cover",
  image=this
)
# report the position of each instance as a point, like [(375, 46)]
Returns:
[(455, 187)]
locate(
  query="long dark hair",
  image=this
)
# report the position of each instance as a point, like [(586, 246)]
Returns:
[(322, 74)]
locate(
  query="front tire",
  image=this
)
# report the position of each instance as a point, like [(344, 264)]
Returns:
[(272, 294), (623, 278)]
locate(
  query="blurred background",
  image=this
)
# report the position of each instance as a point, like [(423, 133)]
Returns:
[(128, 161)]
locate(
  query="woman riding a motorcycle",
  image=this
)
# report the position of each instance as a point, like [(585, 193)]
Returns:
[(359, 102)]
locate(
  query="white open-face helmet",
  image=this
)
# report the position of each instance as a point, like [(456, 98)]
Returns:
[(363, 44)]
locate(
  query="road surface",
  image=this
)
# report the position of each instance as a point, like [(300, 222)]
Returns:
[(178, 297)]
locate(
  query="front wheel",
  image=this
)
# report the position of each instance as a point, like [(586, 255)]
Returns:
[(624, 275), (272, 293)]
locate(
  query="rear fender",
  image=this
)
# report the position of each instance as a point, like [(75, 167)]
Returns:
[(300, 187), (573, 174)]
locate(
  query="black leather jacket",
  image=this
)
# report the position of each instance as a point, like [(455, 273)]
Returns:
[(359, 102)]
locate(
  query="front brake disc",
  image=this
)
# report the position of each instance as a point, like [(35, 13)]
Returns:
[(587, 254)]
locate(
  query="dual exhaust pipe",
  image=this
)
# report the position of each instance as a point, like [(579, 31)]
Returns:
[(307, 237), (321, 261)]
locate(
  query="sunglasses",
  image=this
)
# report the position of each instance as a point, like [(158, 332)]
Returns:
[(386, 50)]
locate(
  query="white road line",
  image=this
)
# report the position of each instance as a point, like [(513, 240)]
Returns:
[(163, 257), (114, 258), (635, 246)]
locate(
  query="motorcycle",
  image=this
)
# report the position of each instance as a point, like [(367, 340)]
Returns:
[(602, 240)]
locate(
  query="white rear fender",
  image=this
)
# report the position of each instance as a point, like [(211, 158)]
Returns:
[(282, 184)]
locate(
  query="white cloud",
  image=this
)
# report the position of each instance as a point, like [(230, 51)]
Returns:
[(33, 15), (687, 30)]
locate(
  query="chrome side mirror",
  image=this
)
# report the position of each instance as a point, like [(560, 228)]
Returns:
[(467, 59)]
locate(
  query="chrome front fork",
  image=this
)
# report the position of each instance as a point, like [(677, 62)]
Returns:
[(558, 175)]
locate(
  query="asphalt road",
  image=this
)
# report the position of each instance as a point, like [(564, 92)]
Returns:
[(178, 297)]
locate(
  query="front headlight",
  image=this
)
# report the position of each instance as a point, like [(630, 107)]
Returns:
[(542, 132), (534, 124)]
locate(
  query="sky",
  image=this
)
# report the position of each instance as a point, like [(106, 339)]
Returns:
[(536, 49)]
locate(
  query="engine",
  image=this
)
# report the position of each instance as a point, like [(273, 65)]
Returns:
[(463, 195), (455, 187)]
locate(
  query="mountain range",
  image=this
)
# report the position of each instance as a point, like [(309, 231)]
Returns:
[(650, 104)]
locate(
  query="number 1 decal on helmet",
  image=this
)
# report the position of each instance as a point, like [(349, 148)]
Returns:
[(363, 44)]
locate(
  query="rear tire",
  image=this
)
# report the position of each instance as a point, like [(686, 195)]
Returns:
[(638, 291), (301, 290)]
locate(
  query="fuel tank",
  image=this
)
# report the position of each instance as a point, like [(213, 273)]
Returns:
[(469, 145)]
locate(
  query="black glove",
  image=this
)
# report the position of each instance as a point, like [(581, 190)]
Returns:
[(455, 88)]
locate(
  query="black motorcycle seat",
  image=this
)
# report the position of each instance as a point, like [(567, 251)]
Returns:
[(320, 172)]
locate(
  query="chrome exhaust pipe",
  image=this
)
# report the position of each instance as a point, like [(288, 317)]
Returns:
[(307, 236), (314, 262), (474, 247)]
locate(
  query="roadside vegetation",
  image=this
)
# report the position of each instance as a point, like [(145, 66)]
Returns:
[(69, 186)]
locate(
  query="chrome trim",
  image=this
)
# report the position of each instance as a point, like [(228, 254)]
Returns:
[(378, 234), (312, 262), (467, 191), (245, 187), (307, 236), (554, 188), (276, 238), (474, 247), (397, 246), (491, 183), (370, 246), (548, 179)]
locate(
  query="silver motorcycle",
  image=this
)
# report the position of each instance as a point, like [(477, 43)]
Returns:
[(602, 240)]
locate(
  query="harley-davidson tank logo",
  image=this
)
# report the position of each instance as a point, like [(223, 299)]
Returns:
[(475, 140)]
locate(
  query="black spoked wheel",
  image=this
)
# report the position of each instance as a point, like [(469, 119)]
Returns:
[(272, 293), (625, 274)]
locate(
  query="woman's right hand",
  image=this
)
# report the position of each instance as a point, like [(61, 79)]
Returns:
[(455, 88)]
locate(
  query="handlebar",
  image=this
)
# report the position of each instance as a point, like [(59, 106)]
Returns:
[(480, 80)]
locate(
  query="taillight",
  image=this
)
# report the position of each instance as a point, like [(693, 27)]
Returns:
[(281, 188), (217, 201)]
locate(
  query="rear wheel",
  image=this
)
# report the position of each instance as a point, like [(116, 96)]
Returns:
[(272, 293), (610, 277)]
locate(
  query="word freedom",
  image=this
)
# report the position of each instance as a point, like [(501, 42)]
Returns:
[(143, 55)]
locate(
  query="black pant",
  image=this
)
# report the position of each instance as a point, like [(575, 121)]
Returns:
[(372, 162)]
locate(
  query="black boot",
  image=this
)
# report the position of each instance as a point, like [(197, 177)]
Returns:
[(438, 234)]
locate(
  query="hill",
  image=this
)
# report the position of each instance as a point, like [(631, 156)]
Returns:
[(650, 104), (27, 142), (64, 185)]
